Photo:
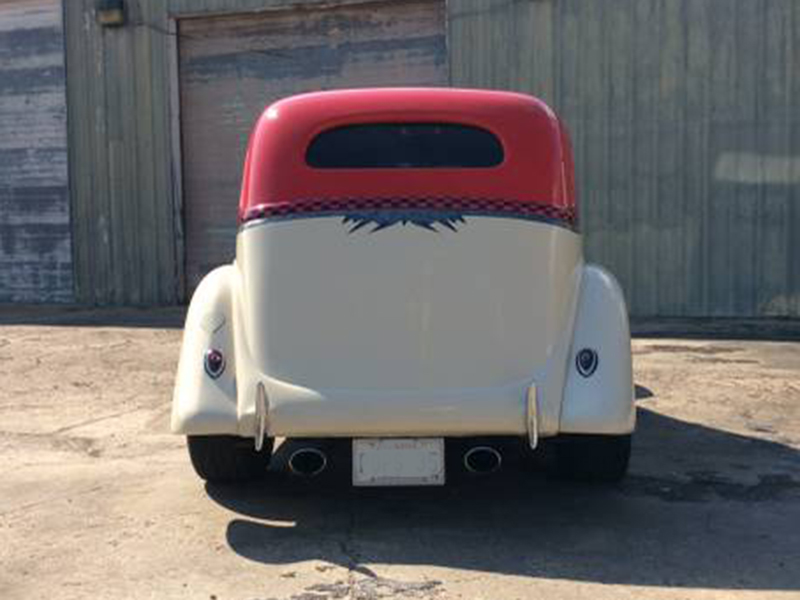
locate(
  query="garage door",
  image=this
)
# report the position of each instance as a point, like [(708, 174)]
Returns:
[(231, 67)]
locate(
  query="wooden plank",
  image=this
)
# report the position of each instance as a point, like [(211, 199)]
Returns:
[(722, 82), (743, 251), (120, 267), (120, 174), (145, 196), (792, 83), (669, 197), (620, 198), (176, 162), (35, 238), (95, 114), (696, 152), (79, 138), (212, 8), (165, 233), (480, 42), (532, 48), (589, 129), (772, 140)]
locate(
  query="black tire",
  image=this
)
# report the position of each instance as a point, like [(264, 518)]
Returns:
[(594, 458), (228, 458)]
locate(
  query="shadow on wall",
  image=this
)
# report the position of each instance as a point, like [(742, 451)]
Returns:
[(701, 508)]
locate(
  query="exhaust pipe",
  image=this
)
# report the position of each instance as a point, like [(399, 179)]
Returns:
[(482, 459), (308, 462)]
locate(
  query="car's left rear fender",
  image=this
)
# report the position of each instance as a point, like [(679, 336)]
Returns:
[(201, 404)]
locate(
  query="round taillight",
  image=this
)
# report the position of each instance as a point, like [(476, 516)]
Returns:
[(214, 363), (586, 361)]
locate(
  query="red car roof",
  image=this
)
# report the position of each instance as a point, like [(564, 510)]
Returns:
[(536, 175)]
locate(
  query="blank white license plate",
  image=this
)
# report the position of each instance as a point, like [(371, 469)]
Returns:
[(398, 461)]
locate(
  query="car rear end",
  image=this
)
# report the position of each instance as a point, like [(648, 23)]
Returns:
[(408, 269)]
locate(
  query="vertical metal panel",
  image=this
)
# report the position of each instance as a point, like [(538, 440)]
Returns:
[(686, 131), (35, 252), (86, 122), (120, 169), (231, 67)]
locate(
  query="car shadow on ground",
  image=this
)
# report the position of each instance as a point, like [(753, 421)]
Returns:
[(701, 508)]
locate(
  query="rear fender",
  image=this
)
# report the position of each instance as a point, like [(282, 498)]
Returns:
[(601, 403), (202, 405)]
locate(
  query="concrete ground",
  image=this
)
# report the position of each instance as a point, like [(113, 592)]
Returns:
[(97, 500)]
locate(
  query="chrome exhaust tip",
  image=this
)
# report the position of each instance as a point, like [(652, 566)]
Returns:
[(482, 460), (308, 462)]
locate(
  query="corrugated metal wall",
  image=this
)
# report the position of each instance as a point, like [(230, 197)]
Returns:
[(683, 112), (126, 234), (685, 116), (35, 254)]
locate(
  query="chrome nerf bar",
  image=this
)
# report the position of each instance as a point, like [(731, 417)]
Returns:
[(532, 415), (262, 415)]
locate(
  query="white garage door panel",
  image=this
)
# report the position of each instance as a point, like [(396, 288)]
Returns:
[(231, 67)]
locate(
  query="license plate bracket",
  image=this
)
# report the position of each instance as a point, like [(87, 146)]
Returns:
[(398, 461)]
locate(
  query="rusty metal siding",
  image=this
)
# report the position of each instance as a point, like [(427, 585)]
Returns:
[(35, 253), (686, 130), (231, 67)]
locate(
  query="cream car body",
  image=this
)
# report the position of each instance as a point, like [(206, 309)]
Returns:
[(471, 328)]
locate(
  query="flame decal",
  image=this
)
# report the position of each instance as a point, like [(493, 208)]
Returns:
[(429, 220)]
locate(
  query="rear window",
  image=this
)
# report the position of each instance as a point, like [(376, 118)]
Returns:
[(405, 146)]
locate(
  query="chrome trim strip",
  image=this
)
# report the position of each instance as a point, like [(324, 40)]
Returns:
[(262, 416), (532, 417)]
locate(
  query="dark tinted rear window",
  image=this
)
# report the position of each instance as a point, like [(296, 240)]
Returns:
[(405, 146)]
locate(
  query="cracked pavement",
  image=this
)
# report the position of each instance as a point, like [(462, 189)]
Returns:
[(98, 500)]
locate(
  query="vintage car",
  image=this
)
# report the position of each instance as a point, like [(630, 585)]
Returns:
[(408, 270)]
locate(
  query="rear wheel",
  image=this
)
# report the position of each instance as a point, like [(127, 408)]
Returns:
[(228, 458), (599, 458)]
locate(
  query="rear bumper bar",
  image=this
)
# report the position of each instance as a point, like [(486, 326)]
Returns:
[(507, 410)]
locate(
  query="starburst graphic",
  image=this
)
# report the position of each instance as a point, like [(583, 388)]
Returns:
[(383, 219)]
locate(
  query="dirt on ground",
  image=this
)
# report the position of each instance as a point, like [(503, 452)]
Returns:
[(98, 500)]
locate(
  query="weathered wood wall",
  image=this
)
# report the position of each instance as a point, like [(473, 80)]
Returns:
[(683, 114), (35, 254)]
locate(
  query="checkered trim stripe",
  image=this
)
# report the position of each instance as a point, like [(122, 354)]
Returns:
[(488, 207)]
